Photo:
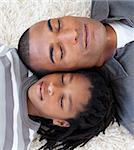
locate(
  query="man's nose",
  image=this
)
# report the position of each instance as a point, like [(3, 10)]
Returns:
[(68, 36)]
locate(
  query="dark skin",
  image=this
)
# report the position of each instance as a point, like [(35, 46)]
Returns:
[(70, 43), (55, 96)]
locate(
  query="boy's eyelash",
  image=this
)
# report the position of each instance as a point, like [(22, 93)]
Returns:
[(61, 52), (61, 101)]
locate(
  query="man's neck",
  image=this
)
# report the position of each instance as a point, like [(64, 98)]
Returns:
[(112, 41), (111, 46)]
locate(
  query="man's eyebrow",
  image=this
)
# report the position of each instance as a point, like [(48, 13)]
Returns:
[(59, 25), (49, 25), (51, 54)]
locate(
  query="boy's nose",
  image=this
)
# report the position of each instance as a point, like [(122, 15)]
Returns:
[(51, 89)]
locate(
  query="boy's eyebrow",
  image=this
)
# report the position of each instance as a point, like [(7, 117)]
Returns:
[(70, 103), (49, 25)]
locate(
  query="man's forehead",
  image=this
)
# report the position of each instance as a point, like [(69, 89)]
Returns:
[(36, 25)]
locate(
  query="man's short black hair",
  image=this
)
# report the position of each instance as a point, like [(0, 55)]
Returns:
[(23, 52), (23, 48)]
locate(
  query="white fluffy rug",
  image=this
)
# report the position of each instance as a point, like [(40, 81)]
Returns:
[(17, 15)]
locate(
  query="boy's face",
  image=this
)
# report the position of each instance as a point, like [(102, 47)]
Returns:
[(60, 96), (66, 43)]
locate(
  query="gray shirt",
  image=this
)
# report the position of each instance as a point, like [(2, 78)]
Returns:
[(120, 68), (16, 129)]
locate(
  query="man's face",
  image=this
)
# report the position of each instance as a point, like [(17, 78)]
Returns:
[(60, 96), (66, 43)]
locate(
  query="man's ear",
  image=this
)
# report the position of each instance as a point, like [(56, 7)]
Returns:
[(61, 123)]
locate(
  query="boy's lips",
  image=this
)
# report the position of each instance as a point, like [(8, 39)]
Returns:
[(41, 91)]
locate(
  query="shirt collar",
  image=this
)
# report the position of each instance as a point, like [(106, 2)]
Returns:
[(102, 7), (23, 103), (100, 11), (114, 69)]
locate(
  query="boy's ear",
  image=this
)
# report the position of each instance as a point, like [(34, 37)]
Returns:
[(61, 123)]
